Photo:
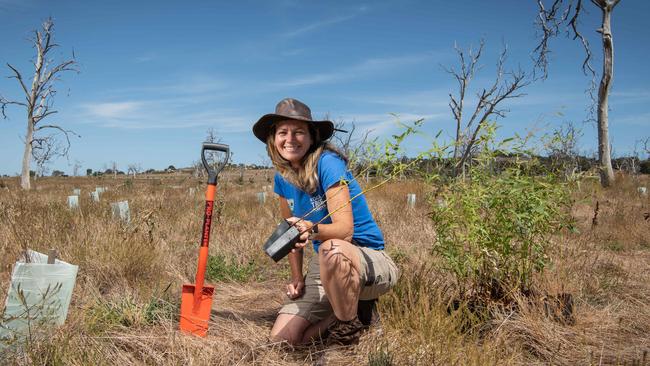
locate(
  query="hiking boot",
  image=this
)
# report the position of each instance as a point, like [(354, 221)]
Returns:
[(367, 312), (345, 332)]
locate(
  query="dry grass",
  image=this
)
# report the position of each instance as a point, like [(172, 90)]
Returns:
[(125, 304)]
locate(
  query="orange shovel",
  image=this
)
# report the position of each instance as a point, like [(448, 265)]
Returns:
[(196, 300)]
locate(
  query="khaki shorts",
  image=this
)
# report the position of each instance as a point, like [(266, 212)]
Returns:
[(379, 274)]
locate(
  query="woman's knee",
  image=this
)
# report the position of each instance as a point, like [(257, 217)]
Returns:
[(289, 328), (284, 336), (291, 336), (336, 255)]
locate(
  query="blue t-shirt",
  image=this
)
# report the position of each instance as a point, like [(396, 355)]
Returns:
[(332, 170)]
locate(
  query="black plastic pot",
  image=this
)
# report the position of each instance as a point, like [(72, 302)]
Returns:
[(283, 239)]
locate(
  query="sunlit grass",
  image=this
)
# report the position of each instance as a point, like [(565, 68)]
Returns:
[(125, 304)]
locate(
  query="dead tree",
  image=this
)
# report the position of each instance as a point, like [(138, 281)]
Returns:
[(38, 102), (506, 85), (211, 135), (134, 169), (562, 149), (563, 15), (75, 168), (114, 169), (353, 146)]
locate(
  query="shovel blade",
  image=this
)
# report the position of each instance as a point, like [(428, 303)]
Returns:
[(195, 314)]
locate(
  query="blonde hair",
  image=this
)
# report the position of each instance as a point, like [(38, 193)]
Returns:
[(306, 177)]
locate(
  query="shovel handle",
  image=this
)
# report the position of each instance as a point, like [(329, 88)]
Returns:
[(213, 173)]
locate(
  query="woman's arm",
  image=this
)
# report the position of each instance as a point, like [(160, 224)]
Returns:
[(342, 226), (295, 288)]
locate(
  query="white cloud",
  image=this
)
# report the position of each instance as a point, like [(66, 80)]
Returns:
[(189, 85), (630, 96), (418, 100), (145, 58), (13, 5), (112, 110), (294, 52), (365, 68), (641, 120), (382, 123), (316, 25), (159, 114)]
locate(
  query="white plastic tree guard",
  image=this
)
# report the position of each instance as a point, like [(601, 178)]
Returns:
[(94, 196), (410, 200), (121, 211), (76, 191), (39, 293), (261, 197), (73, 202)]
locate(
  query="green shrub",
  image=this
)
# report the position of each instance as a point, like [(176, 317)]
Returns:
[(221, 268), (106, 314), (494, 227), (381, 357)]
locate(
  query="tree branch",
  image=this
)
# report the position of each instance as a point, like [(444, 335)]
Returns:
[(586, 65), (488, 102), (5, 102), (549, 23), (19, 78)]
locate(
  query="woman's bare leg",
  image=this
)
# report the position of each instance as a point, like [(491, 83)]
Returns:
[(340, 275), (316, 331), (290, 328)]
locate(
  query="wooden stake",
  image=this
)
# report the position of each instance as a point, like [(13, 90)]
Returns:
[(51, 257)]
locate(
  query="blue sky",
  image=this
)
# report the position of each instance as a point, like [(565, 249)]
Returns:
[(155, 75)]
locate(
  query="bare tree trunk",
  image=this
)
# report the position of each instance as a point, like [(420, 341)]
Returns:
[(604, 154), (27, 156)]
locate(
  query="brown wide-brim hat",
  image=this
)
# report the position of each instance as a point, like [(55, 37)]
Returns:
[(290, 108)]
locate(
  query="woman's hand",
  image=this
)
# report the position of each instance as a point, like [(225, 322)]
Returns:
[(304, 227), (295, 289)]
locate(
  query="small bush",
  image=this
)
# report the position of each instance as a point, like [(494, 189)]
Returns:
[(104, 315), (221, 268), (494, 229), (380, 357), (158, 310)]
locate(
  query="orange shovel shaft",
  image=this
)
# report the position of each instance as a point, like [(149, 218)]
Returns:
[(205, 241), (200, 275)]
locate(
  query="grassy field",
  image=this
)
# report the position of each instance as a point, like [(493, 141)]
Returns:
[(125, 305)]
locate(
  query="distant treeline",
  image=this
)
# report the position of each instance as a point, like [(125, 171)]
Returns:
[(560, 164), (575, 164)]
